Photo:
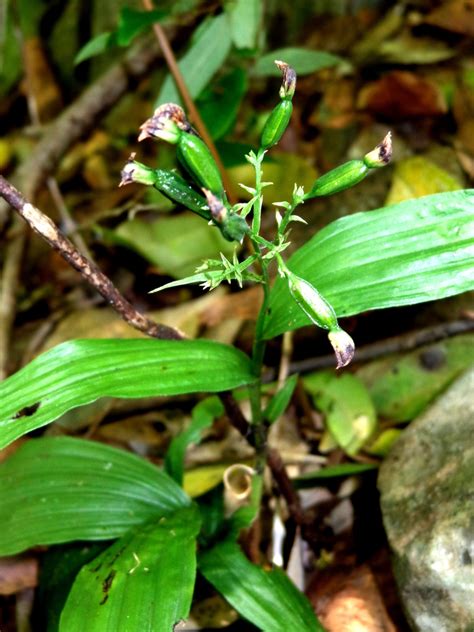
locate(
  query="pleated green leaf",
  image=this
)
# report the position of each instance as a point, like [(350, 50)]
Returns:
[(81, 371), (144, 582), (60, 489), (266, 598), (415, 251)]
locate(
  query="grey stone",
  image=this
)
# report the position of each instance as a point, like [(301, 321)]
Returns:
[(427, 498)]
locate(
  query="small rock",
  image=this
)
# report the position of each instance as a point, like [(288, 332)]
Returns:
[(427, 498)]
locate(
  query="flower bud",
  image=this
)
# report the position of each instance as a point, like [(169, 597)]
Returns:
[(343, 346), (314, 305)]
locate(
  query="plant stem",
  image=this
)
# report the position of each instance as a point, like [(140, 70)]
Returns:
[(257, 207), (296, 201)]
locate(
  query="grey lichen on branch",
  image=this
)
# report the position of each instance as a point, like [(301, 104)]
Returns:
[(48, 230)]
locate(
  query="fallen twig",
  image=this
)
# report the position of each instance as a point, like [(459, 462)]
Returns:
[(48, 230)]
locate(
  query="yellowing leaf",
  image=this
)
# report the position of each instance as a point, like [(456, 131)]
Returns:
[(417, 176)]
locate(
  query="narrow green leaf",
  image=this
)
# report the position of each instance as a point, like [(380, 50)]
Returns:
[(80, 371), (266, 598), (278, 403), (96, 46), (201, 61), (244, 17), (303, 60), (314, 479), (203, 416), (60, 489), (415, 251), (143, 582), (189, 280), (133, 22), (220, 103)]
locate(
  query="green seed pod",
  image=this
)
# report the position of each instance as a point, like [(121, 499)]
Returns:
[(195, 156), (276, 124), (311, 302), (339, 179), (175, 188)]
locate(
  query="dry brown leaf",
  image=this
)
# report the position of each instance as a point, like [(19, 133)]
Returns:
[(17, 573), (456, 16), (349, 602), (400, 95)]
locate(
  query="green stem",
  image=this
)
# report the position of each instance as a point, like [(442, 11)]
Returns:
[(296, 201), (257, 207)]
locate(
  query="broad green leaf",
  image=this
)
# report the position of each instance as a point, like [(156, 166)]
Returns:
[(220, 103), (317, 478), (95, 46), (203, 416), (350, 413), (176, 245), (144, 582), (59, 489), (80, 371), (267, 599), (303, 60), (415, 251), (279, 402), (58, 569), (202, 60), (418, 176), (244, 17)]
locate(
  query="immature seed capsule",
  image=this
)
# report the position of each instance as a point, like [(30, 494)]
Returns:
[(175, 188), (352, 172), (314, 305), (195, 156), (276, 124), (280, 116), (170, 183), (339, 179)]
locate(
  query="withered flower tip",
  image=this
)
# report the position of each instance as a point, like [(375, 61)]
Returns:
[(381, 155), (289, 79), (217, 208), (127, 171), (343, 346), (165, 123)]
